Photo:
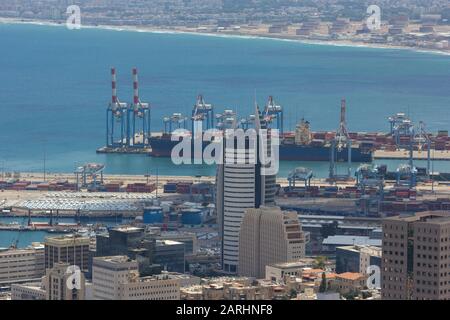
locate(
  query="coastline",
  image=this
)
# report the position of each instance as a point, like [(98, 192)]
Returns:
[(230, 34)]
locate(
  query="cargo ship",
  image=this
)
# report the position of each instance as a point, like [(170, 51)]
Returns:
[(301, 145)]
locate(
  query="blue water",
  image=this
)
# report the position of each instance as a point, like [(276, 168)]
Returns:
[(55, 86), (25, 238)]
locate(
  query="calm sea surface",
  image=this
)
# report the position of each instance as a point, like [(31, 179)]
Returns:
[(55, 87)]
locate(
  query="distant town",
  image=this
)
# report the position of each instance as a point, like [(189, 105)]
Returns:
[(417, 24)]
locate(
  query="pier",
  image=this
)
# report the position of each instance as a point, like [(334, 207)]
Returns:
[(403, 154)]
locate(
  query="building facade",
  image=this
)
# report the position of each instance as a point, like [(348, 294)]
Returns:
[(357, 258), (117, 278), (17, 265), (73, 250), (170, 255), (132, 242), (28, 291), (416, 257), (60, 284), (277, 272), (240, 186), (267, 236)]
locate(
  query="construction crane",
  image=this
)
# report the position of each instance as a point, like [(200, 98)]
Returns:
[(401, 126), (15, 243), (247, 122), (89, 171), (116, 118), (139, 118), (406, 176), (274, 113), (341, 140), (370, 177), (423, 141), (226, 120), (175, 121), (203, 112), (300, 174)]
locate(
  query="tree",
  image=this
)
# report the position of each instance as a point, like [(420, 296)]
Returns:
[(293, 294), (323, 284), (320, 263)]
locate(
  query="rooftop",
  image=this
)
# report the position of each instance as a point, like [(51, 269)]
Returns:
[(351, 240), (114, 259), (421, 216), (372, 250), (300, 263), (128, 229), (350, 276), (167, 242), (67, 239)]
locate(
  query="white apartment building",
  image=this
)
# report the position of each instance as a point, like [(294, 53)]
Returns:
[(22, 264), (277, 272), (117, 278), (28, 291)]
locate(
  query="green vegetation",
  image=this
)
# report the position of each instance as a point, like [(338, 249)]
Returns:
[(320, 262)]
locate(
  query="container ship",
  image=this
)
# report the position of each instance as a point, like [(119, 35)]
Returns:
[(301, 145), (304, 145)]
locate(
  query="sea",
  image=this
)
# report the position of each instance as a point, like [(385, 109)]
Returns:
[(55, 87)]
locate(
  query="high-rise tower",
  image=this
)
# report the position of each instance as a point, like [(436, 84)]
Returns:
[(241, 186)]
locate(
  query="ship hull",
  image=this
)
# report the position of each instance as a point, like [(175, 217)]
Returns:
[(162, 147)]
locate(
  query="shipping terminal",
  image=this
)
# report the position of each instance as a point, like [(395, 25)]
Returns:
[(128, 131)]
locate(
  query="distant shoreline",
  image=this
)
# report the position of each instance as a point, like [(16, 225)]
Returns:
[(336, 43)]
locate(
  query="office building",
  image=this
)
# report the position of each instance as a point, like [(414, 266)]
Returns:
[(240, 186), (188, 238), (277, 272), (61, 284), (132, 242), (170, 255), (269, 235), (108, 273), (18, 265), (416, 257), (357, 258), (28, 291), (117, 278), (71, 249), (121, 241)]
